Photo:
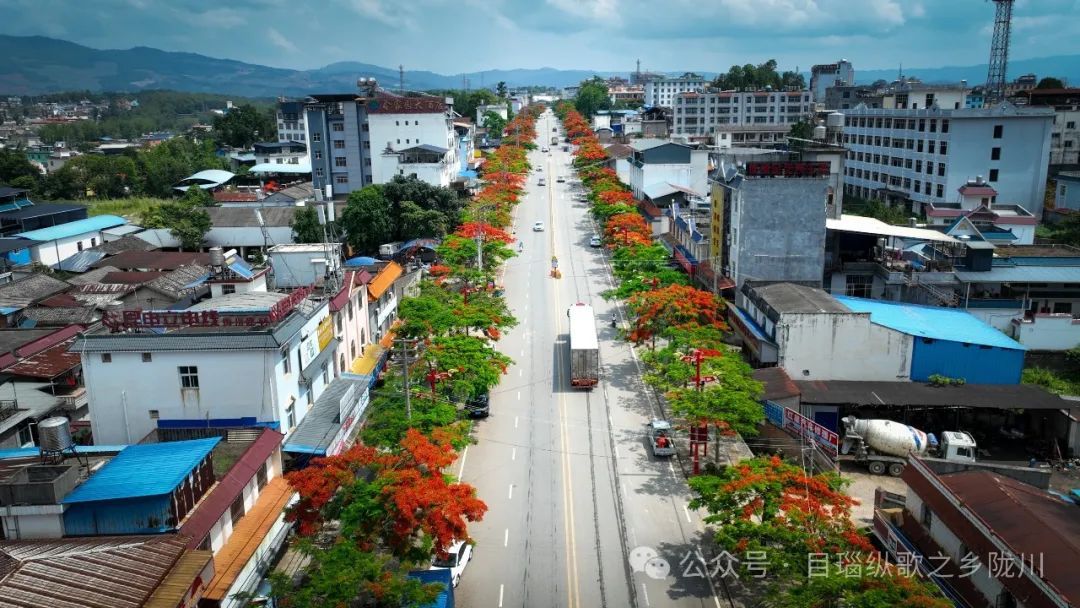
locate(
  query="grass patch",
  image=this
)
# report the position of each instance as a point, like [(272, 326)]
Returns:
[(1055, 382), (130, 208)]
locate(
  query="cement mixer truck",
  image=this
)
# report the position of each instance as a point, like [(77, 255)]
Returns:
[(884, 445)]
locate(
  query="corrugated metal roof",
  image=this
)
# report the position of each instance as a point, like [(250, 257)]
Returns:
[(321, 424), (384, 280), (298, 169), (144, 470), (933, 322), (795, 298), (80, 262), (62, 231), (211, 508), (1030, 521), (135, 343), (172, 591), (48, 363), (26, 291), (248, 217), (868, 225), (917, 394), (1022, 274), (113, 571), (776, 382), (155, 260)]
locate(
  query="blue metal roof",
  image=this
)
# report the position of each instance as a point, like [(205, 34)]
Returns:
[(149, 469), (934, 322), (242, 268), (63, 231), (360, 261)]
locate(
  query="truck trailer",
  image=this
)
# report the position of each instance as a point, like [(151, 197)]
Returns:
[(584, 347)]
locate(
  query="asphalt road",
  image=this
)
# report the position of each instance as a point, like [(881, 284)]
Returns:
[(580, 513)]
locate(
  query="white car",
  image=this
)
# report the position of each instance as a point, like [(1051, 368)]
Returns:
[(595, 241), (543, 149), (538, 226), (458, 556)]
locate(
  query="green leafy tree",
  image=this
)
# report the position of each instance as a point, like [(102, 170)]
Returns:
[(14, 164), (417, 222), (801, 130), (592, 97), (306, 227), (243, 126), (427, 196), (494, 123), (732, 403), (473, 365), (366, 219), (186, 219), (756, 77), (161, 167), (1050, 83), (500, 89)]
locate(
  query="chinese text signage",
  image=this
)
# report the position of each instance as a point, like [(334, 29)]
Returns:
[(787, 169), (174, 319), (807, 428)]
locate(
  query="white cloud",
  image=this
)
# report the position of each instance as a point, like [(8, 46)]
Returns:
[(277, 39)]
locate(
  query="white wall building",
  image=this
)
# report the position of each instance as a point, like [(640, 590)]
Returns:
[(920, 155), (655, 161), (395, 132), (349, 309), (303, 264), (500, 109), (828, 75), (218, 374), (58, 243), (291, 125), (813, 337), (708, 113), (662, 92)]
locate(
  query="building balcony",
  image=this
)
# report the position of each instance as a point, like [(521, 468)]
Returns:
[(997, 303)]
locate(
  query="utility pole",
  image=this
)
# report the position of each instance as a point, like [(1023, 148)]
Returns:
[(401, 79)]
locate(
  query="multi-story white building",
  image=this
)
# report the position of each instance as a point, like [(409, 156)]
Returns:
[(291, 125), (659, 163), (734, 111), (662, 92), (358, 140), (830, 75), (917, 156), (1065, 139), (913, 96), (243, 359)]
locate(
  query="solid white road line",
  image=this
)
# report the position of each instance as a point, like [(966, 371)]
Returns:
[(671, 466), (645, 593), (506, 537), (464, 455), (513, 453), (500, 595), (519, 395), (687, 511), (521, 372), (616, 452), (515, 426), (510, 494)]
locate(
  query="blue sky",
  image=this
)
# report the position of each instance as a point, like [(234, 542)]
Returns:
[(451, 36)]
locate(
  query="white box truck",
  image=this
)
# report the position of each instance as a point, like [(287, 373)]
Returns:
[(584, 347)]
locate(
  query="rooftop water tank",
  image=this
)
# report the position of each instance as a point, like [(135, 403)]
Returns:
[(54, 434), (834, 119)]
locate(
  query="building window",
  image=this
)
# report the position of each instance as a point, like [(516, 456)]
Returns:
[(155, 414), (927, 517), (337, 126), (1005, 599), (106, 357), (236, 510), (349, 310), (286, 362), (995, 153), (859, 286), (318, 172), (999, 131), (260, 476), (227, 289), (945, 125), (93, 241), (146, 358), (340, 161), (944, 148), (290, 415), (326, 374), (341, 179), (189, 376), (993, 175), (318, 155), (79, 245), (339, 144), (316, 137), (941, 169), (940, 191)]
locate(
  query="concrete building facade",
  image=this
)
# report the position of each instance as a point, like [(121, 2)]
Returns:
[(917, 156), (829, 75), (707, 113), (662, 91), (656, 161)]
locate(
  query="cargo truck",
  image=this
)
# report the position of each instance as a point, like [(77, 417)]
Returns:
[(884, 445), (584, 347)]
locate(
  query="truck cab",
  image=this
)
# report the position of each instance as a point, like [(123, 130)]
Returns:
[(957, 446)]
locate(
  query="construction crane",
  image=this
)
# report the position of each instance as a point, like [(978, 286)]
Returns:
[(999, 52)]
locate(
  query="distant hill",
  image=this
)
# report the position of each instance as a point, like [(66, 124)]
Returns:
[(31, 65)]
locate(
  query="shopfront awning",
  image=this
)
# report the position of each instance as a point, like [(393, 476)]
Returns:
[(326, 430)]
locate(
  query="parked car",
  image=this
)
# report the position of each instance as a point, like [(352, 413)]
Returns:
[(561, 179), (538, 226), (457, 557), (544, 149), (595, 241), (479, 407), (541, 182)]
